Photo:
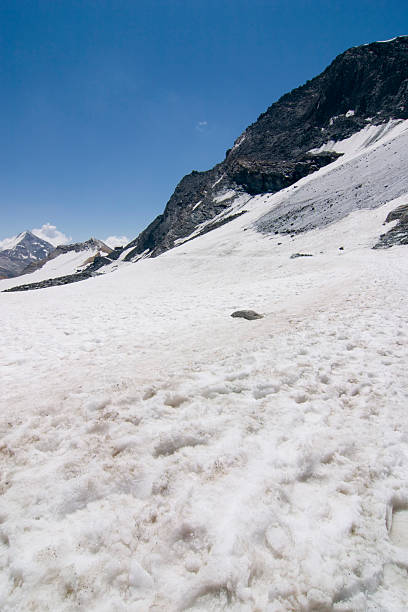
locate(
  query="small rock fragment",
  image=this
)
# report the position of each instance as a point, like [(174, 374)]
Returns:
[(250, 315), (296, 255)]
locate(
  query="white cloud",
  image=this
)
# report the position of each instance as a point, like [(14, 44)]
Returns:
[(201, 125), (7, 243), (47, 232), (51, 234), (114, 241)]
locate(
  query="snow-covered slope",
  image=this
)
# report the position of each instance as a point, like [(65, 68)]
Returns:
[(158, 454), (280, 146), (372, 172)]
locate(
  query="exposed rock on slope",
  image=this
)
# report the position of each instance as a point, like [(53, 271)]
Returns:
[(397, 234), (367, 84), (93, 244)]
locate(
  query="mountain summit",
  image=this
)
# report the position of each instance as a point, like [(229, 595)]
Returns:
[(364, 85), (27, 248)]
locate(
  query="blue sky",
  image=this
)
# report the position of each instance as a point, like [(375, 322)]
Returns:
[(106, 104)]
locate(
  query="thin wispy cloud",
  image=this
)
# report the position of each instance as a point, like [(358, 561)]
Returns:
[(7, 243), (201, 126)]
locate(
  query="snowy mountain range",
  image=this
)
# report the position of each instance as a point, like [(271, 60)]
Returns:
[(29, 254), (159, 452)]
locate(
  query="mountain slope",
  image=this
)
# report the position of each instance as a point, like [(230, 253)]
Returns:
[(369, 172), (159, 454), (367, 84), (27, 248)]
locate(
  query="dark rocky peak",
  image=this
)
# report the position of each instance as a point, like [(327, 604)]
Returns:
[(27, 248), (363, 85), (29, 241)]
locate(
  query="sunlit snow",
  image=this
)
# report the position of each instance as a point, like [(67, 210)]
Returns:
[(158, 454)]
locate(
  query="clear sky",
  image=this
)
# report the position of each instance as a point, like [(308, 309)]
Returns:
[(106, 104)]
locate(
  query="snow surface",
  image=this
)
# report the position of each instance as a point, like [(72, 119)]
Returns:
[(239, 141), (159, 455), (197, 204), (217, 181), (371, 172), (395, 38), (363, 139), (225, 195)]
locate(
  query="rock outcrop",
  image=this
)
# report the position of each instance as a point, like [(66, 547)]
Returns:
[(364, 84), (398, 234)]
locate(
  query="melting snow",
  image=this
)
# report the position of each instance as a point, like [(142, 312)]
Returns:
[(158, 454), (217, 181), (370, 135), (239, 142), (226, 195)]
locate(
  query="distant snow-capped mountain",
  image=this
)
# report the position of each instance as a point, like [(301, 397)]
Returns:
[(27, 248)]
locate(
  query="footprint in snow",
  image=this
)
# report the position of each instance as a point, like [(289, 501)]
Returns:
[(395, 575)]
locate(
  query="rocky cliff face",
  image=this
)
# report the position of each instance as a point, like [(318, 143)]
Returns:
[(364, 84)]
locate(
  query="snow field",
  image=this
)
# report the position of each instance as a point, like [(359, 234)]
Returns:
[(157, 454)]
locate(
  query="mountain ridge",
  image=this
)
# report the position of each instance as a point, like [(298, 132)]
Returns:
[(364, 84)]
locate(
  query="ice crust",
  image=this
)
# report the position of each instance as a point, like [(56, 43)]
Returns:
[(157, 454)]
